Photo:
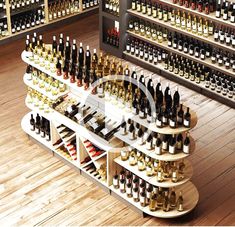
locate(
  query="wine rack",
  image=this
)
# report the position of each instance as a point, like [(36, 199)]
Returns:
[(84, 149), (126, 13), (8, 15)]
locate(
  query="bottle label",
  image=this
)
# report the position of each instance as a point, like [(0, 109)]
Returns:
[(148, 194), (172, 149), (232, 18), (122, 186), (172, 123), (135, 195), (186, 149), (142, 199), (186, 123), (123, 153), (158, 150), (128, 190), (174, 174), (164, 145), (141, 114), (159, 123), (149, 118), (115, 181), (233, 41), (131, 158), (149, 145)]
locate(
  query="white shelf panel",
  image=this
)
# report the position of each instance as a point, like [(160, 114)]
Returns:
[(166, 156), (153, 180), (42, 91), (167, 129), (26, 127), (190, 196)]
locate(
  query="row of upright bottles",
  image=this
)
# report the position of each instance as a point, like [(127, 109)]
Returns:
[(40, 126), (192, 23), (183, 43), (185, 67), (18, 5), (86, 4), (112, 36), (162, 171), (26, 20), (147, 195), (62, 8), (3, 28), (112, 6), (206, 6), (3, 7)]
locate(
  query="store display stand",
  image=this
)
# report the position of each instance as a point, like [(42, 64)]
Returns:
[(110, 158), (47, 24), (106, 20)]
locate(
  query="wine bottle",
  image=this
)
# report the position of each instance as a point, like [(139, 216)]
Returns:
[(187, 119), (186, 146), (180, 203), (32, 123)]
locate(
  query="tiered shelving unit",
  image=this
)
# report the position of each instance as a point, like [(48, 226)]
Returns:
[(126, 13), (47, 24), (110, 156)]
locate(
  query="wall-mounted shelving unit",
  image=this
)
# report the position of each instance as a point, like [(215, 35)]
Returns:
[(126, 13), (9, 15)]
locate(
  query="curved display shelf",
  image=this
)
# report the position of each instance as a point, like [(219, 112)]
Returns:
[(166, 156), (185, 32), (152, 180), (167, 129), (42, 91), (190, 196), (110, 109), (41, 112)]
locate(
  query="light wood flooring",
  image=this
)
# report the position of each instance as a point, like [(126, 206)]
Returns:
[(39, 189)]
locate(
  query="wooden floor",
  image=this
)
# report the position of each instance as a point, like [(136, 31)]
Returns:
[(39, 189)]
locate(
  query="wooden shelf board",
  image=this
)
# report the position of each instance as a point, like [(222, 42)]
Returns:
[(190, 196), (182, 31), (153, 180), (110, 16), (166, 156), (164, 45)]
